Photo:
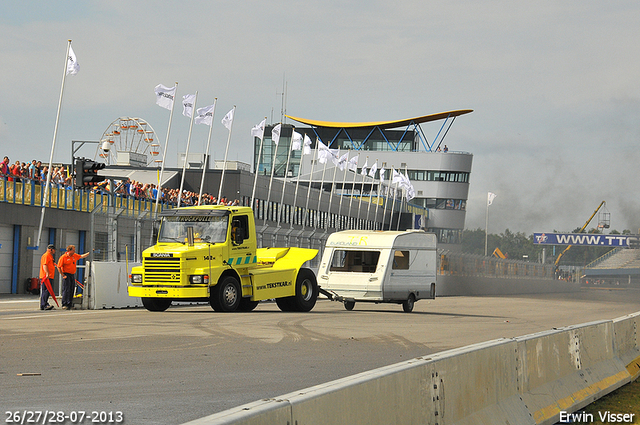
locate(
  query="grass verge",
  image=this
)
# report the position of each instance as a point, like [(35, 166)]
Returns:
[(624, 400)]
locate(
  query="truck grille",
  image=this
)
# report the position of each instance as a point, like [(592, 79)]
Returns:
[(161, 270)]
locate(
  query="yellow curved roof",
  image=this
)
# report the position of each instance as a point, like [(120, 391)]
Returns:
[(383, 124)]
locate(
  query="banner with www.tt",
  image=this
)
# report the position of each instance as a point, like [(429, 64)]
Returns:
[(585, 239)]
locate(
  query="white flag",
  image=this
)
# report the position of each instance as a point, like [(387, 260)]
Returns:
[(373, 170), (490, 197), (227, 121), (258, 129), (296, 141), (307, 145), (342, 162), (187, 104), (364, 167), (396, 177), (410, 193), (275, 134), (205, 115), (334, 156), (324, 153), (406, 183), (382, 171), (353, 164), (72, 63), (164, 96)]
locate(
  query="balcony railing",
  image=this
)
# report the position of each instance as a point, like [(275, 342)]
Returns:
[(24, 191)]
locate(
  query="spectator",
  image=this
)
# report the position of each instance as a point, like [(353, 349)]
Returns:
[(15, 170)]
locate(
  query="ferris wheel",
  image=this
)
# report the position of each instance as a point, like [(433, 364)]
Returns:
[(129, 141)]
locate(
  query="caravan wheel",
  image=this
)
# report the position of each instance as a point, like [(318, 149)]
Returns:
[(407, 306)]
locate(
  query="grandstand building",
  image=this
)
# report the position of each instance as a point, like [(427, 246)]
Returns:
[(440, 176)]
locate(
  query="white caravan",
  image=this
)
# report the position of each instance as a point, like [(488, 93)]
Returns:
[(379, 267)]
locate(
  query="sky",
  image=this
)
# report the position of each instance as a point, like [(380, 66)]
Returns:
[(554, 85)]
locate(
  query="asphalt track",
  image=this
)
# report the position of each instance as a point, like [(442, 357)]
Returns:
[(190, 362)]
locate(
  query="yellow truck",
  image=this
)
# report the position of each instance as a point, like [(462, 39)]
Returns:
[(209, 253)]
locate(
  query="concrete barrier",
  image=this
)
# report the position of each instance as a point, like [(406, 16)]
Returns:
[(525, 380), (627, 342), (108, 286)]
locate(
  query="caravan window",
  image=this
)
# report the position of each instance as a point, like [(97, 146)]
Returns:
[(354, 261), (401, 260)]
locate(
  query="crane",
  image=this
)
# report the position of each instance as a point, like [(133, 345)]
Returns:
[(580, 231)]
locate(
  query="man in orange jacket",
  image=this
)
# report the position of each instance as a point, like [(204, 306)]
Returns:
[(67, 268), (47, 271)]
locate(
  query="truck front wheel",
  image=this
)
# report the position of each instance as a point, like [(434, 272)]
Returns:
[(156, 304), (306, 291), (226, 295)]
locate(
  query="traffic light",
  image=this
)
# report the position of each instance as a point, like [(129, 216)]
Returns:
[(87, 172)]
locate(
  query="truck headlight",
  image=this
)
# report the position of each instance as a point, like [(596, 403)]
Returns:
[(199, 279), (136, 278)]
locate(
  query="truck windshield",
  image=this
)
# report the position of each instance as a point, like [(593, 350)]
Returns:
[(209, 229), (354, 261)]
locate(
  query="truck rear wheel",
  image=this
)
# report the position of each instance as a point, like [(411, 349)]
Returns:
[(226, 295), (156, 304), (306, 291), (285, 304)]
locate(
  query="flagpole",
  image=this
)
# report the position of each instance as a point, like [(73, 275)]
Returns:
[(400, 207), (405, 190), (164, 153), (53, 145), (226, 152), (385, 190), (395, 194), (186, 155), (284, 182), (486, 228), (295, 194), (255, 179), (373, 179), (375, 216), (344, 179), (322, 183), (306, 206), (335, 170), (353, 186), (273, 166), (206, 153), (361, 192)]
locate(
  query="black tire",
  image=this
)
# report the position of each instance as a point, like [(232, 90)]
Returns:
[(247, 305), (226, 295), (306, 291), (285, 304), (407, 306), (156, 304), (349, 305)]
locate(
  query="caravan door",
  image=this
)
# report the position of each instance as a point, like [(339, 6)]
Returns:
[(356, 273)]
